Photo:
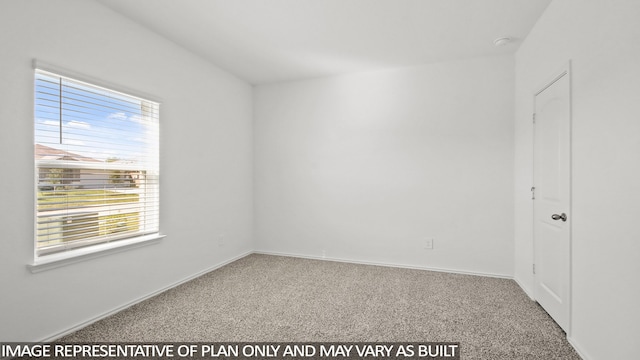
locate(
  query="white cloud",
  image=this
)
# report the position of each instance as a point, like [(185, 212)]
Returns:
[(51, 122), (78, 124), (117, 116)]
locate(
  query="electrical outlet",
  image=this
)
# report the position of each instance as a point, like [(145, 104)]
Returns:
[(428, 243), (221, 240), (324, 254)]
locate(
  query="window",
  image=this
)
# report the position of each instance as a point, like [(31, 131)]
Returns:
[(97, 164)]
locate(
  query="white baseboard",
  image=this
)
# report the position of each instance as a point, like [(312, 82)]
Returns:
[(403, 266), (572, 342), (140, 299), (219, 265), (524, 288), (578, 349)]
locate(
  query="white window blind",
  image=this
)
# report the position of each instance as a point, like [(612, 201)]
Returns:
[(97, 164)]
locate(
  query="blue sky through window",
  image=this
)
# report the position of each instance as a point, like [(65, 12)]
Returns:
[(93, 122)]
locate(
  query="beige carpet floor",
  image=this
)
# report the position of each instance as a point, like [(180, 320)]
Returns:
[(263, 298)]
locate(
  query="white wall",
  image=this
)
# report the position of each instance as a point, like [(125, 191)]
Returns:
[(602, 40), (206, 163), (366, 166)]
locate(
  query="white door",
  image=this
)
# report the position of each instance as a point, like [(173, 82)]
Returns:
[(552, 198)]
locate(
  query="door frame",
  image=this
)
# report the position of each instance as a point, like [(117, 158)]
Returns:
[(565, 70)]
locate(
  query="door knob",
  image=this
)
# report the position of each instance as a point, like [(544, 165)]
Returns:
[(562, 217)]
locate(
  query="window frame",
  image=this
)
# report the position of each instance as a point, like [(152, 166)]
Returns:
[(87, 250)]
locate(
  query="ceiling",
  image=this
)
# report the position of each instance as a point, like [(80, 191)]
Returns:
[(264, 41)]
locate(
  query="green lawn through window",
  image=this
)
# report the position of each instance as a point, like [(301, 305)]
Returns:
[(56, 199)]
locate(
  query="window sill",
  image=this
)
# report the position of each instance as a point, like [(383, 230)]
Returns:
[(53, 261)]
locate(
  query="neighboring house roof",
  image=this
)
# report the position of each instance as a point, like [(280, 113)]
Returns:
[(43, 152)]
